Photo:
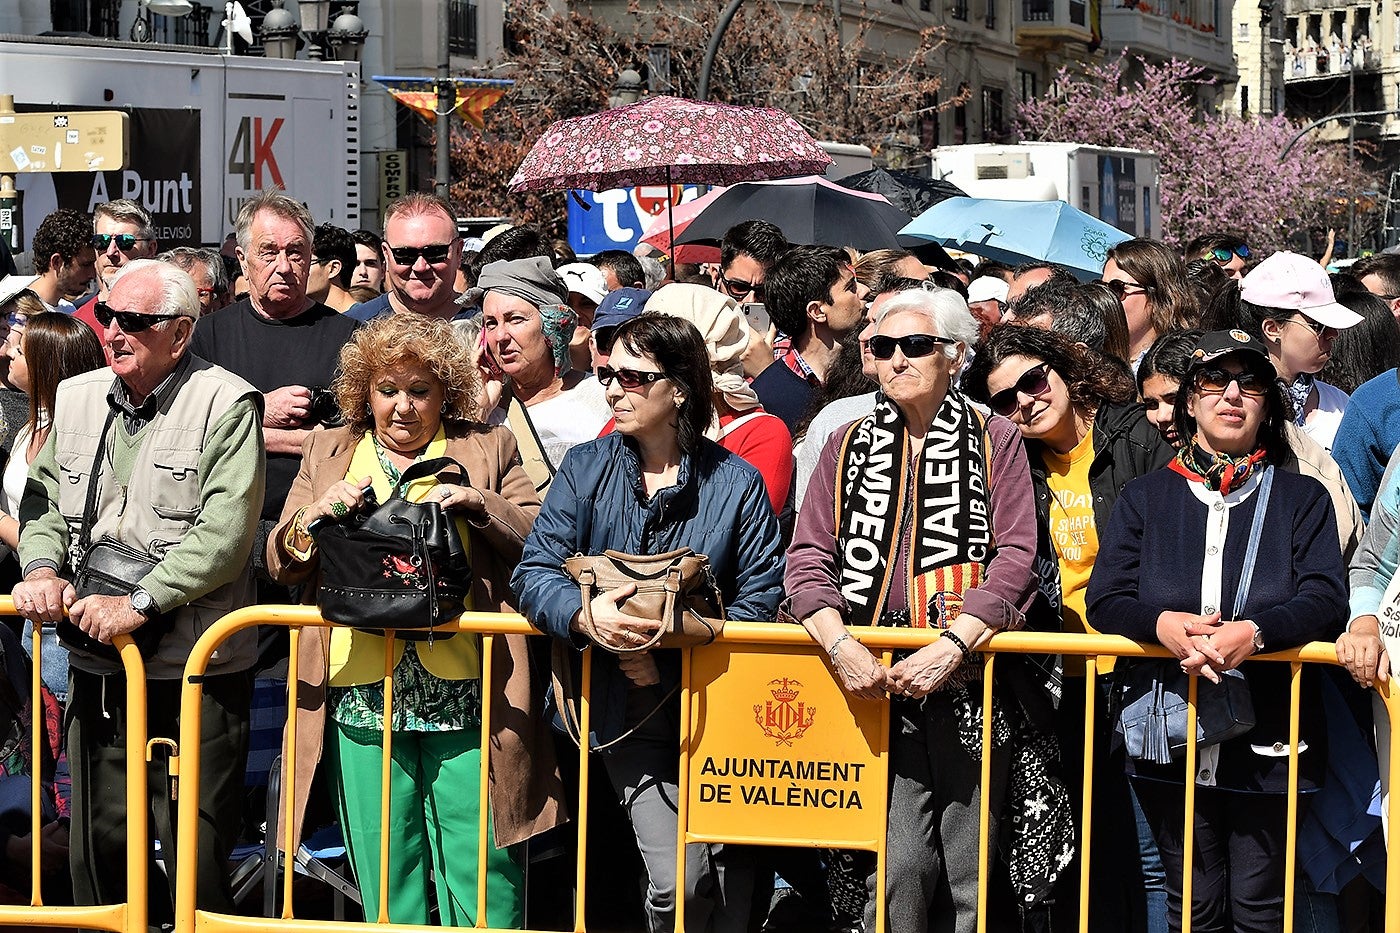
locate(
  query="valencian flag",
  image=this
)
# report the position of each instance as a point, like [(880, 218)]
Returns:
[(474, 95)]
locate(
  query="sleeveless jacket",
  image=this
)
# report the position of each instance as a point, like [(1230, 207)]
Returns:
[(160, 503)]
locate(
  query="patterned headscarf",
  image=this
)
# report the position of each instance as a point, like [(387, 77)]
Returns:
[(558, 323)]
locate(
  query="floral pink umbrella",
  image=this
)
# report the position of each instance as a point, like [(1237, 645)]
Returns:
[(669, 140)]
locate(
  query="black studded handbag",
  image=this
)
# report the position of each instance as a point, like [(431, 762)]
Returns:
[(400, 565)]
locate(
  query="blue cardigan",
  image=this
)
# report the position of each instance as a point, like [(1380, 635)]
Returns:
[(1150, 560), (718, 507)]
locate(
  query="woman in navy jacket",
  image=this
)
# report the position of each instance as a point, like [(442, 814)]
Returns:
[(655, 485), (1168, 570)]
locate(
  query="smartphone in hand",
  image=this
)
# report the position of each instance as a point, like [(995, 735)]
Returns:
[(757, 316)]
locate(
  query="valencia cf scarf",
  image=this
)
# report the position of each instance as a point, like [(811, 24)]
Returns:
[(943, 502)]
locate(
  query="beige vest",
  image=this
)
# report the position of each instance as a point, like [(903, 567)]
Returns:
[(161, 501)]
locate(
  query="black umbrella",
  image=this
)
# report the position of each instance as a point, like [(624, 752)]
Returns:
[(809, 210), (911, 193)]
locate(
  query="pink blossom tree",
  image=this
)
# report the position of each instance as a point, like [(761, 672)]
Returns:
[(1218, 171)]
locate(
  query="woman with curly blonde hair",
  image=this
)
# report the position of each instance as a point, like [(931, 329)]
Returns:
[(407, 391)]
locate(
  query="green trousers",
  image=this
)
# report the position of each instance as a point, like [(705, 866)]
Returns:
[(434, 817)]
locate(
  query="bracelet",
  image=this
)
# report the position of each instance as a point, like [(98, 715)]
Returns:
[(836, 644), (962, 645)]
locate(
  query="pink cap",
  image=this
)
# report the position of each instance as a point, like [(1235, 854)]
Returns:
[(1290, 282)]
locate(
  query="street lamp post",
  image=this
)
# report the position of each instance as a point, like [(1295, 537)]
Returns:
[(279, 33), (627, 90), (345, 37)]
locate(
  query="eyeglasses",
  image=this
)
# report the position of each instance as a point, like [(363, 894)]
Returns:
[(131, 322), (738, 288), (628, 378), (1034, 382), (913, 345), (125, 241), (1319, 329), (435, 254), (1120, 288), (1216, 381), (1222, 255)]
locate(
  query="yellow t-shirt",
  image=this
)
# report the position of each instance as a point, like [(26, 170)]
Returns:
[(1073, 533)]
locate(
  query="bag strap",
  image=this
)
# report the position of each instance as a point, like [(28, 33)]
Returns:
[(562, 680), (1256, 532), (90, 506), (739, 422), (586, 581), (422, 469), (532, 456)]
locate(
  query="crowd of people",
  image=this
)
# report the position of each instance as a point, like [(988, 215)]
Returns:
[(1186, 451)]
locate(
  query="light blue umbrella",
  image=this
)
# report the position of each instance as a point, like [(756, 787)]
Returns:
[(1019, 231)]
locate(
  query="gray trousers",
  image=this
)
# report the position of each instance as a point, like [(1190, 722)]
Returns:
[(644, 771), (931, 845)]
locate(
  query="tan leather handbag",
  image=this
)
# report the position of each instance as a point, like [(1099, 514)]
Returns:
[(676, 588)]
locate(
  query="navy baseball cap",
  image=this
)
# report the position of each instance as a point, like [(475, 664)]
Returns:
[(620, 306)]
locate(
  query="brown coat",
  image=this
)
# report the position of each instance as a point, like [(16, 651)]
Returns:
[(526, 792)]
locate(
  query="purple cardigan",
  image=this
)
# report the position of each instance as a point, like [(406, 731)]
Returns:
[(1004, 596)]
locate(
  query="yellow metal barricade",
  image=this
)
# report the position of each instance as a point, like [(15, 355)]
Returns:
[(128, 917), (755, 684)]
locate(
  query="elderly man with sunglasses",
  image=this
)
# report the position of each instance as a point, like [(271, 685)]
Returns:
[(153, 471)]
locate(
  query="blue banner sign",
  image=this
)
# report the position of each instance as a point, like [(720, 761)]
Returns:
[(617, 219)]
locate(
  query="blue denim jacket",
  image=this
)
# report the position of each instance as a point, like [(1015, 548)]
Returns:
[(597, 502)]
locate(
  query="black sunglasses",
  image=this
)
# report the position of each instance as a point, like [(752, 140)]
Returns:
[(125, 241), (1034, 382), (1120, 288), (1222, 255), (131, 322), (436, 254), (913, 345), (1215, 381), (738, 288), (629, 378)]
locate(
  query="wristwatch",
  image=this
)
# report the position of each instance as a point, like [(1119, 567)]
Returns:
[(1258, 638), (144, 603)]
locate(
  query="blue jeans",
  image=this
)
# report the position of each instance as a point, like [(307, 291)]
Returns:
[(1154, 875)]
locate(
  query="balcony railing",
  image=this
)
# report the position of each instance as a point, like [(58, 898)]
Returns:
[(1320, 62)]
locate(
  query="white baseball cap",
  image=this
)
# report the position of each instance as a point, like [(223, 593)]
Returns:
[(1292, 282), (586, 279)]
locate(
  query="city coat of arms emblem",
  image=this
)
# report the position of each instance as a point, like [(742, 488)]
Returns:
[(784, 718)]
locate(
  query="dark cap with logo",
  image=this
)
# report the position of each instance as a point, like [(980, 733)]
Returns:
[(1217, 343), (620, 306)]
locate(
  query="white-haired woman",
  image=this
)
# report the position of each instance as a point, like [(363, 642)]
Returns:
[(967, 572)]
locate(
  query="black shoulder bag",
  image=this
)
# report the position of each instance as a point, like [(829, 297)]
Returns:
[(400, 565), (107, 567)]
